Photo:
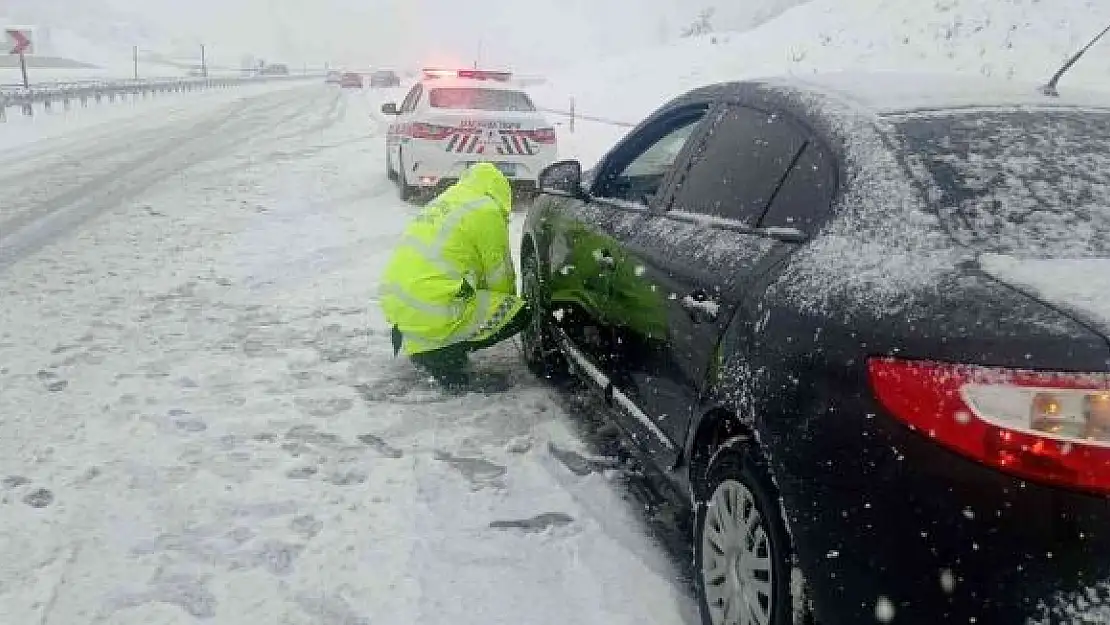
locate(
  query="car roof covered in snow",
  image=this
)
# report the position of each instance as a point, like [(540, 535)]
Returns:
[(468, 83), (887, 244), (887, 93)]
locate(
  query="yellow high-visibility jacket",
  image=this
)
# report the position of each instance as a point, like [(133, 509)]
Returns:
[(451, 278)]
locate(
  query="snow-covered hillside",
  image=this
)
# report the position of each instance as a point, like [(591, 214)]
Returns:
[(1018, 39)]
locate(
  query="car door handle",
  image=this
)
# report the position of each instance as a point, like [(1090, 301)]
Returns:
[(605, 259), (701, 307)]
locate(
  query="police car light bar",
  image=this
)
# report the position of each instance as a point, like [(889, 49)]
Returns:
[(473, 74)]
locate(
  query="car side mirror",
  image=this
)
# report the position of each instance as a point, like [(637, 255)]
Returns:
[(390, 108), (562, 178)]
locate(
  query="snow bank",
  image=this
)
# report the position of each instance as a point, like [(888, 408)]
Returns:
[(215, 428), (20, 130), (1012, 39)]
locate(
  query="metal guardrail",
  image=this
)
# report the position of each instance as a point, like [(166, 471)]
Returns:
[(68, 93)]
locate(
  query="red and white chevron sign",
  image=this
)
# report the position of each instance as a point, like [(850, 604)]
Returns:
[(18, 41)]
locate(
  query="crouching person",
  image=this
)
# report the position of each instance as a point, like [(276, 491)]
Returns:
[(450, 287)]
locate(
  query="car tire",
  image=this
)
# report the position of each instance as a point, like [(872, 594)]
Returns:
[(541, 353), (745, 566), (405, 191)]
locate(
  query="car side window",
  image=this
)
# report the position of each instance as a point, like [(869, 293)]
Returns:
[(639, 175), (739, 165), (806, 197)]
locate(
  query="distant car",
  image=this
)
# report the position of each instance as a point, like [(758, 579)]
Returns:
[(452, 119), (276, 69), (351, 80), (333, 78), (862, 323), (383, 79)]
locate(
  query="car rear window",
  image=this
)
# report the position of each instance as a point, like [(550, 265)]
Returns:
[(1025, 182), (476, 99)]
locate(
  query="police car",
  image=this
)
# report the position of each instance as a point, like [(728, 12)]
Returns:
[(452, 119)]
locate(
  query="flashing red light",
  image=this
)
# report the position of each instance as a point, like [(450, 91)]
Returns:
[(470, 74)]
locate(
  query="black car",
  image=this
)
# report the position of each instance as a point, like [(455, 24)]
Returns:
[(863, 322), (351, 80), (382, 79)]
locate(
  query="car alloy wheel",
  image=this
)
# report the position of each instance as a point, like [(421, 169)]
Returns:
[(741, 546), (737, 568)]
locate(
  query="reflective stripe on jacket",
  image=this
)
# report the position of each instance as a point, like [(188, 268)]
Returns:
[(461, 238)]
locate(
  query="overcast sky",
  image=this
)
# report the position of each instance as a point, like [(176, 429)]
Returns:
[(516, 34)]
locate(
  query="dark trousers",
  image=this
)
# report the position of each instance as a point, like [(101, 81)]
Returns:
[(448, 363)]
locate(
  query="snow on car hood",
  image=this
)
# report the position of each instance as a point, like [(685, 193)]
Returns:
[(1080, 286)]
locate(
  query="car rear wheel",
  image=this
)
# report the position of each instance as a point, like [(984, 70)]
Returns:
[(540, 351), (740, 546)]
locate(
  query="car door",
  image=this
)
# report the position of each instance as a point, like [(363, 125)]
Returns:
[(397, 128), (701, 253), (585, 248)]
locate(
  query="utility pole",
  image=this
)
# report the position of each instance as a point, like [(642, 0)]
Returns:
[(135, 57), (478, 60), (203, 62), (23, 68)]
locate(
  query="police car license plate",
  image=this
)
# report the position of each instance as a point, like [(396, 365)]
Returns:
[(509, 169)]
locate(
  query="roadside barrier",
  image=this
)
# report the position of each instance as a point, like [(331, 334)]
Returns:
[(81, 93)]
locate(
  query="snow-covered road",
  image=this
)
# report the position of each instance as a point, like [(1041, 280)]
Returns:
[(201, 419)]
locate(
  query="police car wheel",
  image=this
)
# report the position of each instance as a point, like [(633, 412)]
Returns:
[(404, 190), (389, 171), (540, 352)]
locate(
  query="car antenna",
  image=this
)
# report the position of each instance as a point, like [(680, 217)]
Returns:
[(1050, 88)]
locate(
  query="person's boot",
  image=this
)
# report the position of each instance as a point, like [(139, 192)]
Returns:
[(447, 367)]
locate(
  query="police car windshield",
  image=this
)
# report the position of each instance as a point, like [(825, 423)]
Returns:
[(476, 99)]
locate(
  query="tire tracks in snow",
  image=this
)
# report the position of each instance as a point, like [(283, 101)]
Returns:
[(122, 169)]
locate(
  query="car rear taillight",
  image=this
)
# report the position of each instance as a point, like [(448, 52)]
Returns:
[(431, 132), (542, 135), (1052, 428)]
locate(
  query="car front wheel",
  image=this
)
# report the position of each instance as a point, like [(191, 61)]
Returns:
[(741, 547), (540, 352)]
